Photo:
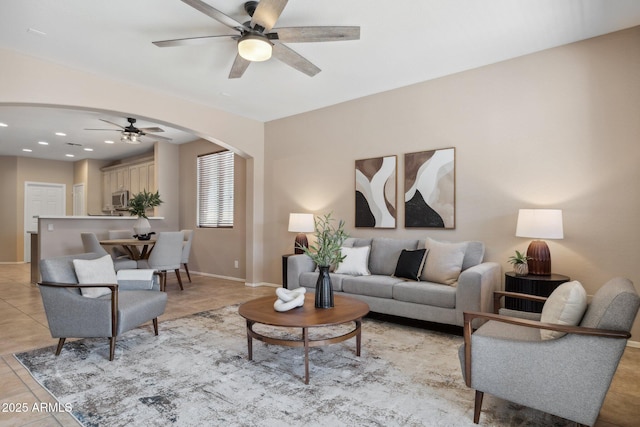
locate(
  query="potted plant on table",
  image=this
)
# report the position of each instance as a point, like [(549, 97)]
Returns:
[(520, 265), (325, 252), (138, 206)]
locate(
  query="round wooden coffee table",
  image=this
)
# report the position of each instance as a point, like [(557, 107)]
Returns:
[(345, 310)]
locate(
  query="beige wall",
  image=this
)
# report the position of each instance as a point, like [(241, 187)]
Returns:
[(214, 250), (555, 129), (9, 211)]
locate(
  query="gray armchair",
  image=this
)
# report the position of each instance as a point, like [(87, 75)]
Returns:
[(568, 376), (71, 315)]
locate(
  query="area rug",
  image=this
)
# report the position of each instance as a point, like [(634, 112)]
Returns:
[(196, 373)]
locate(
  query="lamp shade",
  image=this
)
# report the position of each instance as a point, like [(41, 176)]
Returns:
[(301, 222), (540, 223)]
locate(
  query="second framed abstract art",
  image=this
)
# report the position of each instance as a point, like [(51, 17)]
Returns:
[(376, 200), (429, 186)]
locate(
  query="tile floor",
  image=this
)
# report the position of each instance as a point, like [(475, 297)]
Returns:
[(23, 326)]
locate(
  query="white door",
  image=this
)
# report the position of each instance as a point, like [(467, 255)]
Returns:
[(40, 198), (79, 206)]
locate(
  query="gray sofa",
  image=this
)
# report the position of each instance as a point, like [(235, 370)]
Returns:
[(425, 300)]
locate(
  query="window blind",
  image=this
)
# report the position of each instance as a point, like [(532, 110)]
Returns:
[(215, 189)]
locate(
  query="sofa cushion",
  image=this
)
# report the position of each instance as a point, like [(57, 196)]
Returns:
[(426, 293), (309, 279), (95, 272), (473, 254), (565, 306), (385, 253), (444, 261), (410, 264), (355, 262), (355, 242), (373, 286)]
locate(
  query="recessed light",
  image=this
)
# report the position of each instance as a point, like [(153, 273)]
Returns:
[(27, 150), (3, 125), (108, 142), (43, 143), (61, 134), (88, 149), (69, 155)]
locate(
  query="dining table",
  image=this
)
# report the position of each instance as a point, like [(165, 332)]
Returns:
[(136, 248)]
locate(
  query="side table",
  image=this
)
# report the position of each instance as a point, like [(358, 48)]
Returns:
[(285, 260), (532, 285)]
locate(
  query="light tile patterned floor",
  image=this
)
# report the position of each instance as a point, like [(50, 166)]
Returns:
[(23, 326)]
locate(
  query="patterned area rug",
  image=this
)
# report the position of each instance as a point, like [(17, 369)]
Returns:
[(196, 373)]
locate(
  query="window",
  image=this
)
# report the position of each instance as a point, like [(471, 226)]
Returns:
[(215, 190)]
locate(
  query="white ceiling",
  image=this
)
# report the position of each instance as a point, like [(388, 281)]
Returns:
[(402, 43)]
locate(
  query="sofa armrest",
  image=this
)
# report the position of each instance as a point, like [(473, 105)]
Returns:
[(476, 286), (296, 265)]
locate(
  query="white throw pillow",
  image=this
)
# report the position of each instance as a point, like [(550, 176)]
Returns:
[(565, 306), (95, 271), (356, 261), (444, 261)]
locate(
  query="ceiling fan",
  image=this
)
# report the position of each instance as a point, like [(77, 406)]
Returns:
[(131, 134), (258, 39)]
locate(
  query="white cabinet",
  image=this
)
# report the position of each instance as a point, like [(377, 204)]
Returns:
[(134, 177)]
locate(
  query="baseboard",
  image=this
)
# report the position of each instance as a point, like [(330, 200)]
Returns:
[(13, 262), (217, 276), (255, 285), (634, 344)]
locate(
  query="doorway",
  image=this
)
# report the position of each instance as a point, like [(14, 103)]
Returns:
[(40, 199)]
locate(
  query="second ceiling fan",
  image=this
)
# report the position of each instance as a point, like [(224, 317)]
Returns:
[(258, 40)]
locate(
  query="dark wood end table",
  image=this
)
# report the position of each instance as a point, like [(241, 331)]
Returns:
[(261, 311), (533, 285)]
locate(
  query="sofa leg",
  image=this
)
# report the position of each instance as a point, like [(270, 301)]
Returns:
[(478, 406), (112, 347), (155, 326), (60, 344)]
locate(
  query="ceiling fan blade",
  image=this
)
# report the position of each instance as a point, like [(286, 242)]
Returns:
[(190, 41), (213, 13), (111, 123), (117, 130), (317, 34), (151, 130), (238, 68), (294, 59), (267, 13)]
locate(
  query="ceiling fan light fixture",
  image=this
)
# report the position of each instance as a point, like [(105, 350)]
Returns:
[(254, 47), (130, 137)]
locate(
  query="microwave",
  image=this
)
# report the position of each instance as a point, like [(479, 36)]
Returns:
[(120, 200)]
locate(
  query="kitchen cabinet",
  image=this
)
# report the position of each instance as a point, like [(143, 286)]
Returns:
[(134, 177)]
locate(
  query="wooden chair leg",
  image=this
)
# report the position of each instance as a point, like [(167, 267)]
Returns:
[(60, 344), (112, 347), (155, 325), (478, 406), (186, 268), (163, 280), (177, 270)]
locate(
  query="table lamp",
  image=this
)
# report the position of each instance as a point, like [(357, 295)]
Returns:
[(301, 223), (539, 224)]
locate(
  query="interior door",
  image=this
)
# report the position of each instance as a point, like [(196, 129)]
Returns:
[(79, 205), (40, 198)]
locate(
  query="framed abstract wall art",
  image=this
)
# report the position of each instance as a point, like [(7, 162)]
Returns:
[(376, 200), (429, 186)]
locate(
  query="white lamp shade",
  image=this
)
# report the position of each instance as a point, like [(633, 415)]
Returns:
[(301, 222), (540, 223)]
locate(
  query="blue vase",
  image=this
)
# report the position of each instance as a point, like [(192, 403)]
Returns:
[(324, 290)]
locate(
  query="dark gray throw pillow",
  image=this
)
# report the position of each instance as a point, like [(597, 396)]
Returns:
[(410, 264)]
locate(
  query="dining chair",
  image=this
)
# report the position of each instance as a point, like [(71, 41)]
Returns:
[(186, 250), (118, 251), (166, 255), (91, 244)]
